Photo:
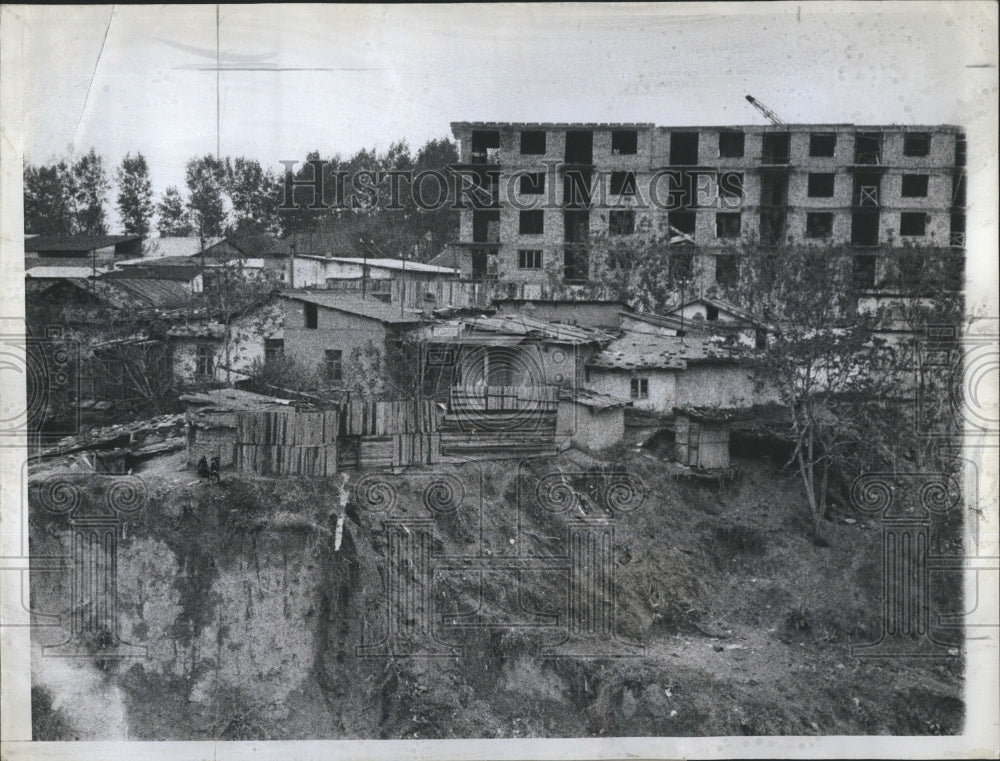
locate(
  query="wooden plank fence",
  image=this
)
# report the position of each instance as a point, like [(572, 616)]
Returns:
[(287, 443), (390, 434)]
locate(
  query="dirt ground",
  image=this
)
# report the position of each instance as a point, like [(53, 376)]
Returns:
[(731, 619)]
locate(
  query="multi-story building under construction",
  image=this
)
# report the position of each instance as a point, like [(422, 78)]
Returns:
[(555, 187)]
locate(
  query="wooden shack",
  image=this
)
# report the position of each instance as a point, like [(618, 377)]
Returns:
[(261, 434), (701, 438), (591, 421)]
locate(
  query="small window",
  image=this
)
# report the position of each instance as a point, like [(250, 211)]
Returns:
[(532, 142), (819, 225), (822, 144), (311, 314), (621, 222), (532, 223), (727, 225), (485, 144), (529, 259), (681, 265), (204, 361), (731, 145), (533, 184), (639, 388), (681, 224), (274, 349), (821, 185), (912, 223), (711, 313), (916, 144), (624, 142), (333, 364), (914, 186), (623, 183)]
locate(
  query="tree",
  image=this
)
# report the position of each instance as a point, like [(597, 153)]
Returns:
[(90, 188), (135, 194), (206, 182), (254, 195), (843, 384), (173, 215), (48, 199)]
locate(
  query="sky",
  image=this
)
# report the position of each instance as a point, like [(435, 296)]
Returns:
[(339, 78)]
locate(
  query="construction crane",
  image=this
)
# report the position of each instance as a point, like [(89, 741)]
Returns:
[(771, 116)]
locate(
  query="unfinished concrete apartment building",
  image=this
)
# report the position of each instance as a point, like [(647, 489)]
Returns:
[(875, 188)]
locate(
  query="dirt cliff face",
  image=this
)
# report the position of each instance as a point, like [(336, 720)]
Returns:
[(456, 606)]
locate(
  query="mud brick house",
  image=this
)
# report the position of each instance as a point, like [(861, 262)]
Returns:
[(323, 329), (203, 352), (658, 370), (875, 188), (591, 421)]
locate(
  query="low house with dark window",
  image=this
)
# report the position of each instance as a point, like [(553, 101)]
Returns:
[(591, 421), (326, 330), (207, 352), (660, 371)]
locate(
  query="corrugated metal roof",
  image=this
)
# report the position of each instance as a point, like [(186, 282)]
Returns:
[(153, 293), (182, 246), (57, 273), (370, 308), (76, 242), (395, 264), (639, 350), (522, 325)]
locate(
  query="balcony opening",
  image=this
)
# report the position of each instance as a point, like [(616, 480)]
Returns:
[(579, 147), (773, 224), (868, 148), (576, 264), (821, 184), (958, 190), (775, 149), (774, 188), (866, 189), (683, 148), (576, 188), (957, 231), (961, 150), (914, 186), (681, 265), (863, 272), (726, 270), (576, 226), (819, 225), (822, 144), (682, 226), (864, 228), (485, 226), (533, 142), (485, 145), (624, 142), (731, 144), (916, 143)]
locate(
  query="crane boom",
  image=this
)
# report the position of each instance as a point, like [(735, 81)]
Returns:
[(771, 116)]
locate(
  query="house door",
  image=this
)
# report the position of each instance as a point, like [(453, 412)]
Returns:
[(694, 444)]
